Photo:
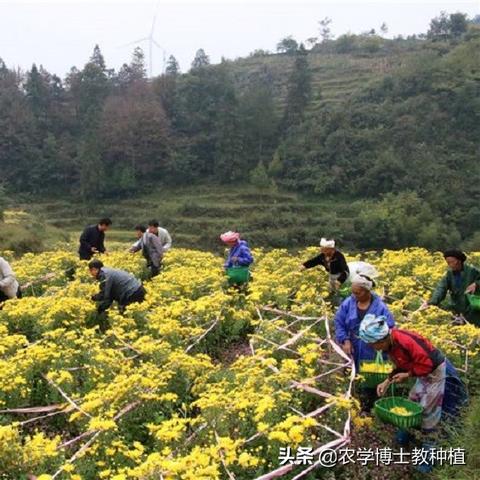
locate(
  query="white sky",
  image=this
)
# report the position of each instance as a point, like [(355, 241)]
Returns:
[(61, 34)]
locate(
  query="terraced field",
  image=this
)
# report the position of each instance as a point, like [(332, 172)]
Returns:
[(195, 217), (335, 77)]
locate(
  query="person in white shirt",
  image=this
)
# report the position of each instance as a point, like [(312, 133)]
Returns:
[(9, 287), (162, 233)]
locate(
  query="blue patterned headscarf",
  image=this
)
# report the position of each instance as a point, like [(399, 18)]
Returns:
[(372, 329)]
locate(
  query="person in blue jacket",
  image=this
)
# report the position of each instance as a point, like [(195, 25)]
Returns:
[(239, 254), (347, 324), (351, 313)]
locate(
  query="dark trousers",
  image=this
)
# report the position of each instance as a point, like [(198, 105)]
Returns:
[(4, 298), (154, 271), (136, 297), (102, 315)]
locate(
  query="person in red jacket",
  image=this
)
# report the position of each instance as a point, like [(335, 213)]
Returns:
[(437, 388)]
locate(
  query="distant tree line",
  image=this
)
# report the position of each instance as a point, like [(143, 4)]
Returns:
[(409, 139)]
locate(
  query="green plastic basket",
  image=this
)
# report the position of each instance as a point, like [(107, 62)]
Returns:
[(372, 379), (383, 406), (238, 274), (345, 291), (474, 301)]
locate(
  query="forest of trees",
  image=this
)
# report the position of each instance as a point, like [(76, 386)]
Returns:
[(407, 143)]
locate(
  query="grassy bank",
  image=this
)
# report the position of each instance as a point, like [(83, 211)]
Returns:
[(196, 216)]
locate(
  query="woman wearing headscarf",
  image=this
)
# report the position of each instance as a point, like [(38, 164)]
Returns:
[(438, 387), (239, 254), (333, 261), (460, 280), (352, 311)]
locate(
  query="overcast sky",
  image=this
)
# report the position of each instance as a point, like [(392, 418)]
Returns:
[(61, 34)]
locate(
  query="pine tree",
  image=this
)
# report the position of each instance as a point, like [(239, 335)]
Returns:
[(325, 31), (37, 93), (259, 122), (92, 88), (172, 68), (201, 59), (90, 168), (259, 176), (137, 65), (229, 147), (133, 72), (299, 90)]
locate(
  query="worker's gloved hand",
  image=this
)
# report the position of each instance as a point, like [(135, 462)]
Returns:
[(382, 387), (301, 268), (471, 288)]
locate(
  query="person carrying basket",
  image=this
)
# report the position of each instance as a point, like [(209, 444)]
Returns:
[(438, 388), (239, 258)]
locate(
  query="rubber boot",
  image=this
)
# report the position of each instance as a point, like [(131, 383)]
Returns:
[(426, 467), (402, 437)]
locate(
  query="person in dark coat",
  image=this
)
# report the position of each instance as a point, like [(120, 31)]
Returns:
[(115, 285), (92, 239), (333, 261)]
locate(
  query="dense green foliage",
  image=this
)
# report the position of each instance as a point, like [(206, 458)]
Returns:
[(392, 124)]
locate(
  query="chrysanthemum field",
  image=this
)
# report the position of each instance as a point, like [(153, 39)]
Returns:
[(198, 382)]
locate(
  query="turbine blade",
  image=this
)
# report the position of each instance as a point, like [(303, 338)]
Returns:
[(157, 45), (133, 43), (154, 18), (153, 24)]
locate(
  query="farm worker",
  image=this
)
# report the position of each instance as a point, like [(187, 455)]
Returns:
[(351, 312), (9, 287), (92, 239), (161, 233), (438, 387), (115, 285), (151, 247), (349, 315), (239, 254), (333, 261), (461, 279)]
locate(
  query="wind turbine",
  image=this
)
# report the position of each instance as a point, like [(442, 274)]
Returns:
[(151, 43)]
